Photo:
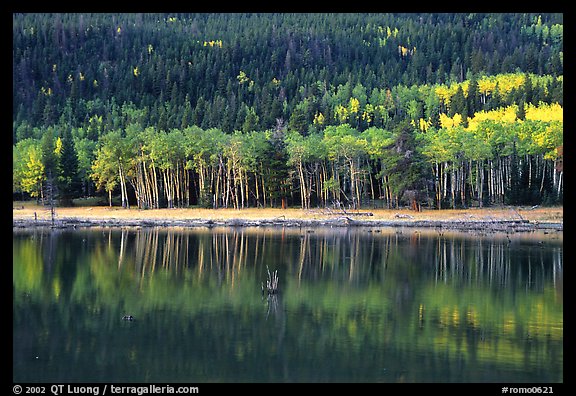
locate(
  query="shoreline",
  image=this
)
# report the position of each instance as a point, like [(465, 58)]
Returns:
[(496, 219)]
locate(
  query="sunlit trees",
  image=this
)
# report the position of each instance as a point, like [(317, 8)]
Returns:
[(203, 151), (379, 148), (346, 153), (497, 158), (110, 164), (29, 172), (298, 155), (494, 158), (308, 156)]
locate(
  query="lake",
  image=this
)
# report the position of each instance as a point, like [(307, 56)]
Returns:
[(354, 305)]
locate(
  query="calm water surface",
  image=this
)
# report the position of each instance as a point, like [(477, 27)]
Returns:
[(356, 304)]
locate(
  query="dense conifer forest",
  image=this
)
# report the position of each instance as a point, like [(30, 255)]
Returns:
[(442, 110)]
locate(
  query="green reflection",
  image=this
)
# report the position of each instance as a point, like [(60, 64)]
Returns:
[(355, 305)]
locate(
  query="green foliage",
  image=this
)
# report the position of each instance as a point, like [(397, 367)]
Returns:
[(29, 171), (174, 95), (266, 60), (68, 180)]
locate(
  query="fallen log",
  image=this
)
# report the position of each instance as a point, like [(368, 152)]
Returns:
[(403, 216), (351, 213)]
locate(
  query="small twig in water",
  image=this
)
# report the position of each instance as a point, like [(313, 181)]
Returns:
[(271, 282)]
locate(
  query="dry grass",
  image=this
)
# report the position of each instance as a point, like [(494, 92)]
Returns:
[(27, 210)]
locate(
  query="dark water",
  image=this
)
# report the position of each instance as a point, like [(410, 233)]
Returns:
[(362, 305)]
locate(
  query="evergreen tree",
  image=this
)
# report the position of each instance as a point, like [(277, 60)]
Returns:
[(299, 118), (250, 121), (68, 181), (277, 166), (473, 96), (49, 159), (458, 103)]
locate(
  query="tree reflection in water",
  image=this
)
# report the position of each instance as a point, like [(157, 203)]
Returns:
[(408, 300)]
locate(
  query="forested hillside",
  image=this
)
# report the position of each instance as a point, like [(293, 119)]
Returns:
[(239, 110)]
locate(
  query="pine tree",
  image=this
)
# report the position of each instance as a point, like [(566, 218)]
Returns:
[(458, 103), (68, 181), (473, 97), (299, 119), (49, 159), (250, 121)]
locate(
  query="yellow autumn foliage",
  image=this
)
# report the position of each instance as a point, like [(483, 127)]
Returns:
[(503, 115), (354, 105), (341, 113), (545, 112), (448, 122)]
